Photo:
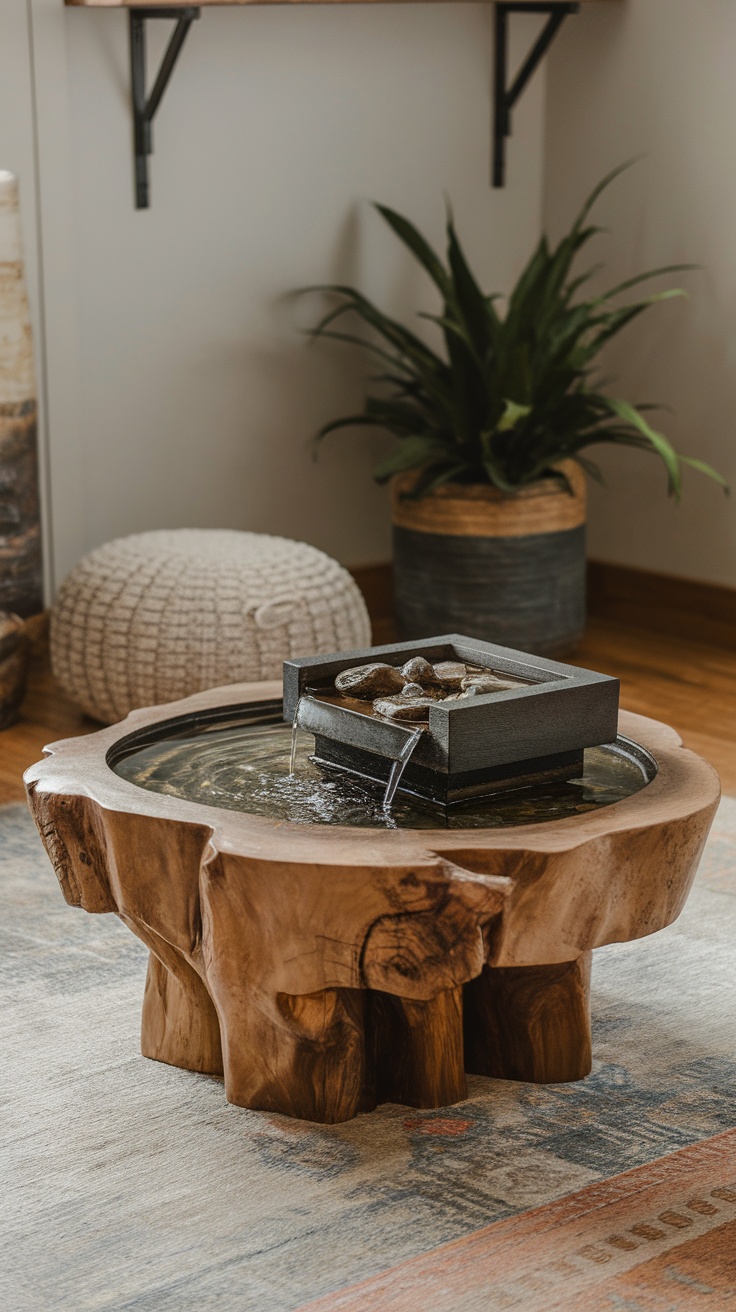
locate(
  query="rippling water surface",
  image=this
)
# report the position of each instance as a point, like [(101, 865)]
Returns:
[(246, 768)]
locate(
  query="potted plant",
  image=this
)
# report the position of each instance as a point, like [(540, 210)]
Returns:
[(489, 470)]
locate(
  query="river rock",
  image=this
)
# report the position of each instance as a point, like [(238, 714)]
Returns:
[(417, 670), (488, 683), (369, 681), (13, 667), (403, 708), (411, 691), (450, 674)]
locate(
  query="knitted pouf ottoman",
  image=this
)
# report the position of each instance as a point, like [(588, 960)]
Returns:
[(156, 616)]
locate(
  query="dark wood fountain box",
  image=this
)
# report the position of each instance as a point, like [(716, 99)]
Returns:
[(487, 742)]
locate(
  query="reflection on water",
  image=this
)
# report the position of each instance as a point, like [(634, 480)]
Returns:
[(246, 768)]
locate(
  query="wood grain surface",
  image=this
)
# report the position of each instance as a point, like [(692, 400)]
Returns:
[(635, 598), (530, 1023), (299, 933), (417, 1049)]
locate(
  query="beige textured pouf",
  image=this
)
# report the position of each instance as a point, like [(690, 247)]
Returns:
[(157, 616)]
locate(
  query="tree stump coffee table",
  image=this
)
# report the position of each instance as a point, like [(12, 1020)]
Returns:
[(325, 969)]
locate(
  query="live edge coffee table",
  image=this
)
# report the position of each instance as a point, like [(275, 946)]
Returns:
[(326, 969)]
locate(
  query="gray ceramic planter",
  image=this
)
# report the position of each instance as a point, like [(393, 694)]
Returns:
[(508, 570)]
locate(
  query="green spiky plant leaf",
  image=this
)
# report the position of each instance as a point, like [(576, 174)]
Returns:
[(506, 397)]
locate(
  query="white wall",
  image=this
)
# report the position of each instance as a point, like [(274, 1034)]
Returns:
[(175, 388), (659, 77), (179, 391)]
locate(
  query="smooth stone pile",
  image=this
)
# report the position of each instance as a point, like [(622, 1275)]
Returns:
[(410, 692)]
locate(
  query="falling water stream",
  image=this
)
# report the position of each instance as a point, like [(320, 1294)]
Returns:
[(399, 766), (397, 769), (295, 736)]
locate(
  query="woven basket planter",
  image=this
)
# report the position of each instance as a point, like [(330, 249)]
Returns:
[(507, 569)]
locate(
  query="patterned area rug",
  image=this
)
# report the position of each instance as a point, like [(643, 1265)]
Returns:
[(660, 1238), (133, 1185)]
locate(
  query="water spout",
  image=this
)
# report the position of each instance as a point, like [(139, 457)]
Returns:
[(399, 766), (294, 735)]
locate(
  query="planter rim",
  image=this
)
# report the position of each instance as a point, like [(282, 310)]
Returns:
[(480, 510), (487, 492)]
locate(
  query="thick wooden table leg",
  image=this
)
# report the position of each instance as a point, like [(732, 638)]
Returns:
[(417, 1049), (179, 1023), (530, 1023), (323, 1055), (302, 1055)]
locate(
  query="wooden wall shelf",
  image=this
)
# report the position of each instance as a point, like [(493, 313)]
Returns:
[(144, 106)]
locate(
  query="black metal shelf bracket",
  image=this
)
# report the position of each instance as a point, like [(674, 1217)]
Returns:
[(504, 96), (144, 107)]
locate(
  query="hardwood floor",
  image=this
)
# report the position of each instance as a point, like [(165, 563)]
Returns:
[(688, 684), (46, 716)]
